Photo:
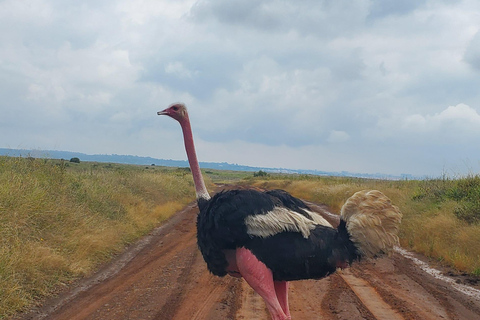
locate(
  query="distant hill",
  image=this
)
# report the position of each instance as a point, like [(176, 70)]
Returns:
[(128, 159)]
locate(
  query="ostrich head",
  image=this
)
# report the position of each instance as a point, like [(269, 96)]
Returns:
[(177, 111)]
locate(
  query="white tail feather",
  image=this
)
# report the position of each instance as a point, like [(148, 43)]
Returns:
[(372, 222)]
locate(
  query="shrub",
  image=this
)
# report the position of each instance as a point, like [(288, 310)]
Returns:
[(465, 192), (469, 211), (260, 174), (75, 160)]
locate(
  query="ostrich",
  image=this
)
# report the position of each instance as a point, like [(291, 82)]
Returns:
[(271, 237)]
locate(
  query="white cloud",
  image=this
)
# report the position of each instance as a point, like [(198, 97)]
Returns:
[(142, 12), (38, 12), (459, 120), (453, 127), (178, 69)]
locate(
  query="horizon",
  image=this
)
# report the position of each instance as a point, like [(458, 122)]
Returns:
[(114, 158)]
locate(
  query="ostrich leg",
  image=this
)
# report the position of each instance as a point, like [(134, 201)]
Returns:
[(260, 278), (281, 289)]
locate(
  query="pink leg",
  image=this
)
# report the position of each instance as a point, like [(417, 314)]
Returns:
[(281, 289), (260, 278)]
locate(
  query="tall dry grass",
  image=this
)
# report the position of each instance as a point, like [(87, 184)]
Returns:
[(58, 221), (431, 221)]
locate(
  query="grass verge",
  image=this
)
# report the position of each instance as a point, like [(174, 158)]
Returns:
[(59, 221)]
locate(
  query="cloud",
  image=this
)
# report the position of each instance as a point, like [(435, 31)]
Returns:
[(320, 19), (456, 125), (307, 82), (472, 53), (338, 136), (259, 14), (455, 121), (178, 69), (384, 8)]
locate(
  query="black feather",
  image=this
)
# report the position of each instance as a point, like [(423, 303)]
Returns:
[(221, 223), (290, 256)]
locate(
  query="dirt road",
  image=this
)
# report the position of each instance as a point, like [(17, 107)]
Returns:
[(164, 277)]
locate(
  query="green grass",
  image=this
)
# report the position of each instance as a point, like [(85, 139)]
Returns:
[(226, 176), (59, 221)]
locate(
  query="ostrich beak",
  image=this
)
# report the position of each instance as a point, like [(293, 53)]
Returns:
[(163, 113)]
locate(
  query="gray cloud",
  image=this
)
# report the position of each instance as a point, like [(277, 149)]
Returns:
[(367, 86), (200, 74), (324, 19), (384, 8), (472, 53), (258, 14)]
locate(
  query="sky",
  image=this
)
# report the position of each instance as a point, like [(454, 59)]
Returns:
[(367, 86)]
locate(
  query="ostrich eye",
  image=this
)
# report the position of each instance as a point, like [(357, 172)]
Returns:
[(175, 108)]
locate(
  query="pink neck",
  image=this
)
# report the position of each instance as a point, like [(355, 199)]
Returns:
[(200, 188)]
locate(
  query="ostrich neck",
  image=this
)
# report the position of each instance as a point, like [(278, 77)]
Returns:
[(200, 188)]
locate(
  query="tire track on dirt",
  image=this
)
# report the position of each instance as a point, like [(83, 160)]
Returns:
[(114, 291), (203, 294), (369, 297), (252, 306), (414, 294), (174, 299)]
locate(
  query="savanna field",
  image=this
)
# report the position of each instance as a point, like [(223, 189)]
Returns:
[(59, 221)]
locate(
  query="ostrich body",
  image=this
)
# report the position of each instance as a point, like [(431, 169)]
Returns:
[(270, 238)]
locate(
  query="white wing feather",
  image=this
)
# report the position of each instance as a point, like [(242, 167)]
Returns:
[(281, 219)]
